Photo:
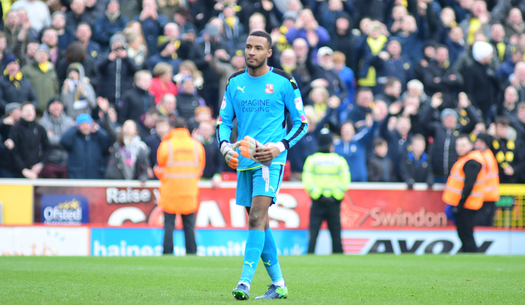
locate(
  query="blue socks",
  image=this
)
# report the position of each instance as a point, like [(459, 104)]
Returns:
[(254, 247), (269, 257)]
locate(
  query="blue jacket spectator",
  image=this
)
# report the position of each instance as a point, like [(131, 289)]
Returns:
[(166, 55), (109, 24), (391, 63), (152, 24), (87, 149), (413, 36), (353, 147), (304, 23)]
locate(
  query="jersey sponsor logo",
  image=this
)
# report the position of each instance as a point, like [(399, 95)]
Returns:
[(255, 105), (241, 89), (269, 89), (298, 103), (223, 105)]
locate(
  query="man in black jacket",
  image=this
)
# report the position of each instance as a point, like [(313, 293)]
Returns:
[(440, 76), (136, 101), (445, 133), (30, 144), (415, 166), (116, 70)]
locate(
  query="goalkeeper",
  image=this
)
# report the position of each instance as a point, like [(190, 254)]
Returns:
[(261, 98)]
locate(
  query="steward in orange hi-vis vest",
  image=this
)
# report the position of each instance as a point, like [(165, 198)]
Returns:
[(456, 190), (492, 176), (485, 215), (180, 161), (465, 190)]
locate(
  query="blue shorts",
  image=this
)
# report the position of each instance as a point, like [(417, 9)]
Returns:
[(250, 183)]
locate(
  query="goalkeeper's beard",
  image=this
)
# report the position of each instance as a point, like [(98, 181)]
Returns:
[(254, 67)]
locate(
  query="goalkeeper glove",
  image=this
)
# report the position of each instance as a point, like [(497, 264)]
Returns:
[(230, 155), (248, 147)]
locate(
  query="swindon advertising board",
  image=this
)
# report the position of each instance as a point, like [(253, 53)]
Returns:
[(361, 208), (40, 240)]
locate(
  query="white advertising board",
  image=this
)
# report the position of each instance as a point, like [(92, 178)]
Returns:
[(48, 241)]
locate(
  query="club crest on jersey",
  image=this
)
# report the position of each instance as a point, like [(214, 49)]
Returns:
[(269, 89)]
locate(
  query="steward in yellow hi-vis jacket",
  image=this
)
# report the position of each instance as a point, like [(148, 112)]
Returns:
[(326, 177)]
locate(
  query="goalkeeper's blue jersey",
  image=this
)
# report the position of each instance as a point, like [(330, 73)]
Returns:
[(261, 106)]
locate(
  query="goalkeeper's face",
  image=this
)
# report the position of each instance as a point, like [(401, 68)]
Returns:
[(257, 52)]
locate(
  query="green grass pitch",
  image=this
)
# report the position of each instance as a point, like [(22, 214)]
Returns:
[(338, 279)]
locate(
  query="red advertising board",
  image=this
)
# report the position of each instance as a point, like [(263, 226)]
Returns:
[(360, 209)]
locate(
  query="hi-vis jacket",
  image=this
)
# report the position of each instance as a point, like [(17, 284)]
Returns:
[(326, 174), (456, 183), (180, 161), (492, 177)]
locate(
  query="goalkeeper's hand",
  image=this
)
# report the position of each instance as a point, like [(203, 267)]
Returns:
[(254, 150), (230, 155)]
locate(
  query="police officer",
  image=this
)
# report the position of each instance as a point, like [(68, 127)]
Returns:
[(465, 190), (326, 177), (485, 215)]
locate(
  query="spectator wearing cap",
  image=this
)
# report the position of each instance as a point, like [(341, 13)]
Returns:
[(65, 35), (87, 146), (167, 53), (326, 178), (116, 70), (56, 123), (202, 54), (50, 38), (11, 117), (152, 24), (15, 87), (110, 23), (224, 66), (30, 144), (481, 82), (188, 100), (37, 13), (485, 215), (336, 87), (445, 133), (43, 77), (162, 83), (77, 94), (136, 101), (83, 34)]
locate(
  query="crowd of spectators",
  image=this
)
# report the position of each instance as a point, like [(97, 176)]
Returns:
[(89, 88)]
